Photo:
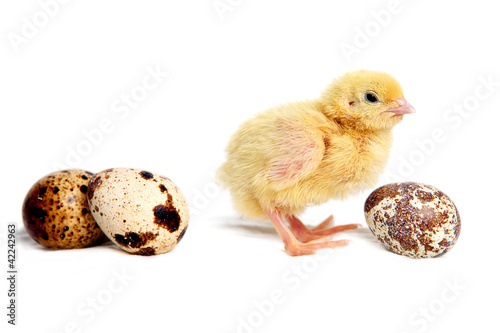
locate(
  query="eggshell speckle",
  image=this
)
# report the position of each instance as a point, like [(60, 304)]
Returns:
[(140, 211), (413, 219), (56, 213)]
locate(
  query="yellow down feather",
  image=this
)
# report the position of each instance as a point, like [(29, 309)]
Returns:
[(309, 152)]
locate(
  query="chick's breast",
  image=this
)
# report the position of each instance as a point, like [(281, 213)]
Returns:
[(352, 163)]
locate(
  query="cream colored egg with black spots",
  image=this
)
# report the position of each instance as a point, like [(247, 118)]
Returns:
[(56, 213), (413, 219), (140, 211)]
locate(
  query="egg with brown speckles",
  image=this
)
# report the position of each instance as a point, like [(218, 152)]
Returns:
[(413, 219), (140, 211), (56, 213)]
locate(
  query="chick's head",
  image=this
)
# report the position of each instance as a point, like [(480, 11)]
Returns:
[(365, 99)]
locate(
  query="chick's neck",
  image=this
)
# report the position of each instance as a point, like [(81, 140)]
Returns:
[(347, 123)]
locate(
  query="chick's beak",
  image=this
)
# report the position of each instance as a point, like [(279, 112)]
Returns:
[(403, 108)]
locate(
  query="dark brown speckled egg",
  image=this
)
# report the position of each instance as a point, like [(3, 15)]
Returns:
[(56, 213), (413, 219)]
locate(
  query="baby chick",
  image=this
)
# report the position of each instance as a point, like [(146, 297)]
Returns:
[(303, 153)]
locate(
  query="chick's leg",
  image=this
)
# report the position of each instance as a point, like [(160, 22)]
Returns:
[(292, 245), (305, 234)]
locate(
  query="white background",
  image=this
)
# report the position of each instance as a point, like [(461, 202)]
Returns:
[(229, 275)]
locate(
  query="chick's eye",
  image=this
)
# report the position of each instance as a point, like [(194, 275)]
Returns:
[(371, 97)]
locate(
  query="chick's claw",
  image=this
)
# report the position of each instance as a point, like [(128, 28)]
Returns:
[(306, 235)]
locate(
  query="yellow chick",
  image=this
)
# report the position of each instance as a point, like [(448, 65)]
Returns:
[(304, 153)]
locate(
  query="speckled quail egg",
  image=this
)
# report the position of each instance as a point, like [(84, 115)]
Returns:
[(142, 212), (56, 213), (413, 219)]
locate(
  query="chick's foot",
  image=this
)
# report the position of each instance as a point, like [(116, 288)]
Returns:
[(292, 245), (304, 234)]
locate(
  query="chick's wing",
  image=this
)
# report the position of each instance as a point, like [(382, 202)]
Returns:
[(300, 149)]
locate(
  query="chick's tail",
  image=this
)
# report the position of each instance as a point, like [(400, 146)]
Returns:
[(242, 197)]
